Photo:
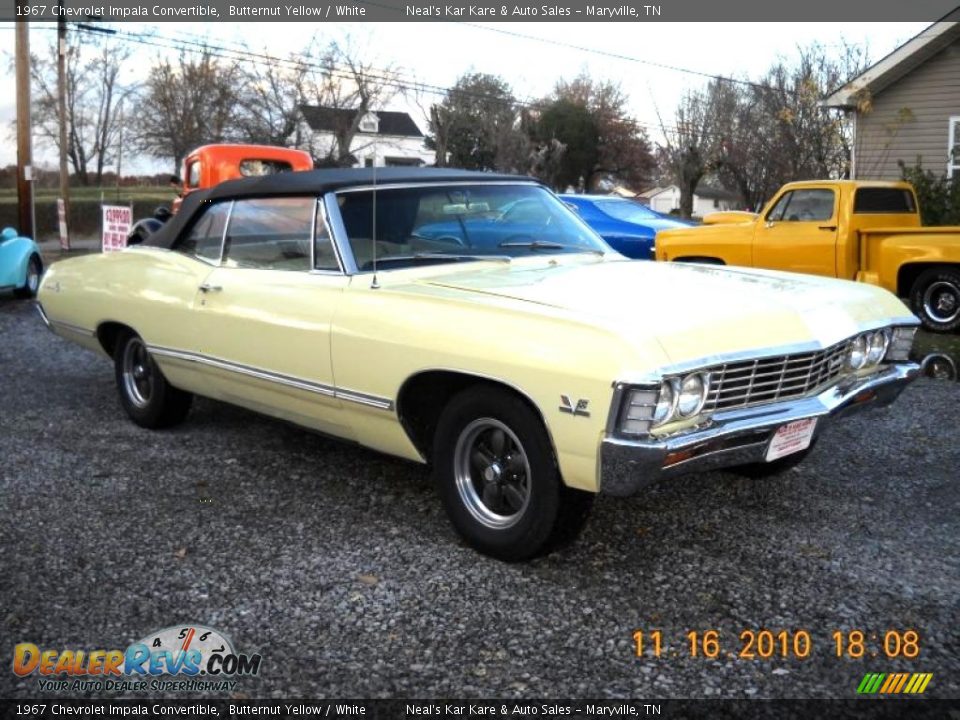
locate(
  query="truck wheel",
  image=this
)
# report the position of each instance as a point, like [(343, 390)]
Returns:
[(935, 298), (145, 394), (498, 479)]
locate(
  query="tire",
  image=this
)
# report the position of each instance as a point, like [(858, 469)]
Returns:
[(145, 394), (498, 478), (935, 298), (32, 282), (761, 470)]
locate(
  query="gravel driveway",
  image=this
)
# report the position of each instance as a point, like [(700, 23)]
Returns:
[(337, 565)]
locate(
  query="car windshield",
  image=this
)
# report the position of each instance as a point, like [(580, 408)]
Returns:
[(453, 223), (626, 210)]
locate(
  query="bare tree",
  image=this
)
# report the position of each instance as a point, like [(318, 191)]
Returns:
[(95, 92), (271, 94), (187, 103), (775, 131), (341, 80), (689, 149)]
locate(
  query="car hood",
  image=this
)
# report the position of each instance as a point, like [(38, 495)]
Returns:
[(684, 307)]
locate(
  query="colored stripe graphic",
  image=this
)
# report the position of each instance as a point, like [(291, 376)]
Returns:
[(894, 683)]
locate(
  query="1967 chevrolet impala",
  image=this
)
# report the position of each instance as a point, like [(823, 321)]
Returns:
[(528, 363)]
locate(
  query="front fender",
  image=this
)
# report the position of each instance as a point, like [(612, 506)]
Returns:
[(14, 255)]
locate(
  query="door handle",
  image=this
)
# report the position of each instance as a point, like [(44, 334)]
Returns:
[(827, 227), (208, 288)]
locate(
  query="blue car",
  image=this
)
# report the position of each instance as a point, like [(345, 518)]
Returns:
[(626, 225), (20, 264)]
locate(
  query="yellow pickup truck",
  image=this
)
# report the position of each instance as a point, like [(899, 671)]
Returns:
[(855, 230)]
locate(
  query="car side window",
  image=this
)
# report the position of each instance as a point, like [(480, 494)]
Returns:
[(205, 237), (193, 174), (270, 234), (809, 206)]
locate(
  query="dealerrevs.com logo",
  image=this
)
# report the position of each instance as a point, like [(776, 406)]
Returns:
[(188, 658)]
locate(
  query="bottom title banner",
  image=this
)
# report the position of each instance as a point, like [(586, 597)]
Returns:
[(864, 708)]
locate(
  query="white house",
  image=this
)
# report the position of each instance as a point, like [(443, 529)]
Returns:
[(383, 138), (705, 200)]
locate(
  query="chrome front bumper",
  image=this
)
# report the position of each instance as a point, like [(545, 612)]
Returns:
[(739, 437)]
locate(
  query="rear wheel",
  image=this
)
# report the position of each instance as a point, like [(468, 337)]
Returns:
[(145, 394), (498, 478), (32, 281), (935, 298)]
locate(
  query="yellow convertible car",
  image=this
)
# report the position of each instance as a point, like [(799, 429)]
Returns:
[(473, 322)]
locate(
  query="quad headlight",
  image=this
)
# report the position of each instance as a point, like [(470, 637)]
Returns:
[(677, 398), (857, 353), (869, 349), (877, 345)]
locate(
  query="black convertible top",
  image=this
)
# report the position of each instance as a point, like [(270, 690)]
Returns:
[(314, 182)]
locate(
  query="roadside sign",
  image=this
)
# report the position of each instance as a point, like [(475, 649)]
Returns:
[(117, 220), (62, 223)]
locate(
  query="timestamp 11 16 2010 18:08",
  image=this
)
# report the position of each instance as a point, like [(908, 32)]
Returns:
[(764, 644)]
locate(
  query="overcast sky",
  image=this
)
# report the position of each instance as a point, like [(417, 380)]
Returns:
[(530, 56)]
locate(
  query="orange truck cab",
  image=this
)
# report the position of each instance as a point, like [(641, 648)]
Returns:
[(211, 165)]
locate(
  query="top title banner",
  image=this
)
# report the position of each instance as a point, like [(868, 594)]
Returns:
[(398, 11)]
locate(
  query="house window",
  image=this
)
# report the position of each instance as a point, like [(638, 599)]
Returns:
[(368, 124), (953, 148)]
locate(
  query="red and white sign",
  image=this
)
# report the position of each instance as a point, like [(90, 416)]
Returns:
[(117, 220), (791, 438), (62, 223)]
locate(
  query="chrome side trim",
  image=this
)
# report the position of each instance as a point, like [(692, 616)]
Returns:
[(364, 399), (353, 396), (43, 315), (656, 375), (69, 327)]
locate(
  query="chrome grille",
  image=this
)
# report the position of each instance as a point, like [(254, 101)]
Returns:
[(752, 382)]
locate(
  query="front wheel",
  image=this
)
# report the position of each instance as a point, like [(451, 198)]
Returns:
[(145, 394), (32, 280), (498, 478), (935, 298)]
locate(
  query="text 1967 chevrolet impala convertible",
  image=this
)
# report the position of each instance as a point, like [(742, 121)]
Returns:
[(526, 361)]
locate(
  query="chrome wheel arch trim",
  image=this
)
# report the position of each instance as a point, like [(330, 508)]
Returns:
[(476, 376)]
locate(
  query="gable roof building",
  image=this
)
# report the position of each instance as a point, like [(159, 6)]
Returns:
[(907, 105), (383, 137)]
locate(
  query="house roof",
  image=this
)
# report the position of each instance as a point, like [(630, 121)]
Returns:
[(898, 63), (704, 190), (330, 119)]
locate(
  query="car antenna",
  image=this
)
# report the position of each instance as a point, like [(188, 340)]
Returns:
[(374, 284)]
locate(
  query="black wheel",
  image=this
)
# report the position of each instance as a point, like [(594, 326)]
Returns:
[(145, 394), (935, 298), (498, 478), (32, 282), (761, 470)]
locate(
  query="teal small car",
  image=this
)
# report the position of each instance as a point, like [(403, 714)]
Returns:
[(20, 264)]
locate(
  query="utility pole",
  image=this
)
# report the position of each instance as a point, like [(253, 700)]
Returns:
[(62, 108), (24, 129)]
